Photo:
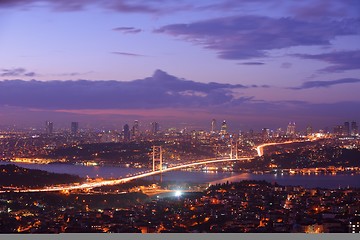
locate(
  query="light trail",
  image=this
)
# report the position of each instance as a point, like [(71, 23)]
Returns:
[(125, 179), (260, 148), (149, 173)]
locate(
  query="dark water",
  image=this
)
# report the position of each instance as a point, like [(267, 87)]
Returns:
[(325, 181), (82, 171)]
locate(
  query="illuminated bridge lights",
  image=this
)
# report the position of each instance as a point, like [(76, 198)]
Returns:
[(89, 185), (101, 183)]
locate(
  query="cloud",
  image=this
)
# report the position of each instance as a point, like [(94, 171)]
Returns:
[(341, 60), (72, 74), (300, 9), (161, 97), (325, 8), (247, 37), (252, 63), (158, 91), (128, 54), (127, 29), (324, 84), (124, 6), (131, 7), (16, 72)]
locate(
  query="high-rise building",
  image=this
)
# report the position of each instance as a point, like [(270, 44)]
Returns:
[(339, 130), (126, 132), (74, 127), (155, 128), (135, 129), (354, 129), (346, 129), (49, 127), (213, 126), (290, 131), (223, 127)]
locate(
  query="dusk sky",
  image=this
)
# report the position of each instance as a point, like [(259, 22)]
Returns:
[(255, 63)]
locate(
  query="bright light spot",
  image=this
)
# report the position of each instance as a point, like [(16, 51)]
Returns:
[(178, 193)]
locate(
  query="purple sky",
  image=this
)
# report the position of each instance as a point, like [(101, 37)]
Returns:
[(254, 63)]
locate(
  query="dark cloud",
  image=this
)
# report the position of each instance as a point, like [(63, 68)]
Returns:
[(252, 63), (30, 74), (326, 8), (126, 6), (132, 7), (128, 54), (246, 37), (341, 60), (16, 72), (238, 5), (127, 29), (301, 9), (322, 84), (160, 90), (161, 97), (62, 5)]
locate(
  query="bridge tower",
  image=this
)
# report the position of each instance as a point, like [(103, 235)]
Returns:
[(234, 149), (157, 157)]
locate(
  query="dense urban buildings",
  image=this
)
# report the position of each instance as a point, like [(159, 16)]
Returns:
[(160, 116), (157, 205)]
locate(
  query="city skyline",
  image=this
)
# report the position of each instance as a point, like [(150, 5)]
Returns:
[(254, 63), (132, 131)]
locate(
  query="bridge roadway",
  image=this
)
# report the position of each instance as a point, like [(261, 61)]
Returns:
[(101, 183), (149, 173), (260, 148)]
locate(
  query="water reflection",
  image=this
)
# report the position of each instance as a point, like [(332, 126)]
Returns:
[(313, 180)]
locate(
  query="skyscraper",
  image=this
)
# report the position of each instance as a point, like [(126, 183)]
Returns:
[(49, 127), (74, 127), (213, 126), (223, 127), (354, 129), (135, 129), (290, 131), (126, 131), (346, 129), (339, 130), (154, 128)]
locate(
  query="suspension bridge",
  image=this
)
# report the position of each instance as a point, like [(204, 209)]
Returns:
[(157, 160)]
